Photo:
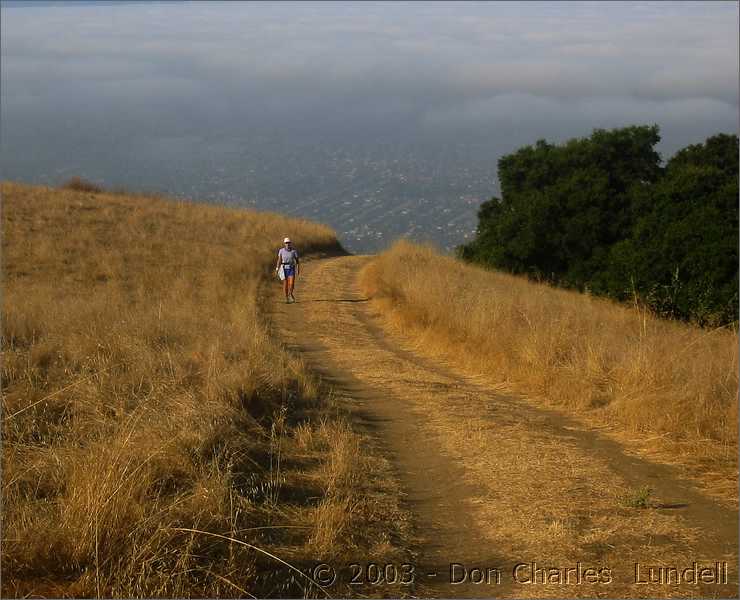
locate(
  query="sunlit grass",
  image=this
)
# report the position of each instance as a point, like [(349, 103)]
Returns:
[(145, 402), (649, 376)]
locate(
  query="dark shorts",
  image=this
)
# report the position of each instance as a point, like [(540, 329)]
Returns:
[(289, 271)]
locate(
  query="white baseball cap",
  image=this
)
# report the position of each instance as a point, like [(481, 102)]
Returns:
[(286, 240)]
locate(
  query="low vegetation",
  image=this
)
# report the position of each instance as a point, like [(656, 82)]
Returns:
[(637, 498), (660, 379), (78, 184), (156, 440)]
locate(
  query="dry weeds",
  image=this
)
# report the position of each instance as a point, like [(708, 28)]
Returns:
[(663, 383), (154, 434)]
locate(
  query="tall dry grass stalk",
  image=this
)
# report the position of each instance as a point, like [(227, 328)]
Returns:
[(144, 402), (649, 375)]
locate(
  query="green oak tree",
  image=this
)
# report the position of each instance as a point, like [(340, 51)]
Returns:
[(600, 212)]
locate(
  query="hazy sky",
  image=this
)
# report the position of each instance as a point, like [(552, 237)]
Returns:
[(529, 69), (98, 79)]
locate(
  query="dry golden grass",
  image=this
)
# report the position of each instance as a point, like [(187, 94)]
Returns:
[(154, 435), (661, 380), (490, 477)]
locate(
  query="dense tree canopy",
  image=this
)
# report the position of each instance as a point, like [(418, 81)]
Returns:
[(602, 213)]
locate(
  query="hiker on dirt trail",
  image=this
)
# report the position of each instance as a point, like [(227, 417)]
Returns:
[(287, 261)]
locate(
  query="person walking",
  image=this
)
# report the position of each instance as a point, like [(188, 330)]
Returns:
[(287, 260)]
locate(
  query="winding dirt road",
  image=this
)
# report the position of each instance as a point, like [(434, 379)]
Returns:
[(535, 502)]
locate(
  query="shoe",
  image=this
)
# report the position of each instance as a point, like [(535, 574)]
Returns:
[(292, 298), (287, 300)]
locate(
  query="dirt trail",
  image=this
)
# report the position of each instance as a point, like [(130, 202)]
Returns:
[(492, 482)]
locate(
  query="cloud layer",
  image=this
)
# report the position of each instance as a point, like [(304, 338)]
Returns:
[(513, 71)]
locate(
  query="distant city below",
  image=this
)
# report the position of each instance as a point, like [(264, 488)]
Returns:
[(370, 195)]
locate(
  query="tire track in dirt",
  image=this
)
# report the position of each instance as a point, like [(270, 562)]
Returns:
[(492, 482)]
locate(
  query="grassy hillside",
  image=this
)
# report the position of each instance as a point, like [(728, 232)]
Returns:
[(661, 381), (156, 441)]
